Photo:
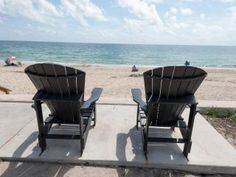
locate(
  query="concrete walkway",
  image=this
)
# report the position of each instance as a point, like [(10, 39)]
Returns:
[(113, 142)]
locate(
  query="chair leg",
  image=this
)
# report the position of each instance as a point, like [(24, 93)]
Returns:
[(145, 144), (41, 127), (95, 115), (42, 143), (145, 150), (81, 132), (81, 146), (187, 148), (188, 144), (137, 120)]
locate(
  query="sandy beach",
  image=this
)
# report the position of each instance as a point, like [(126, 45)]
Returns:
[(117, 80)]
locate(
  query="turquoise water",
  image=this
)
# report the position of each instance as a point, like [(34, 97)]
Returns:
[(214, 56)]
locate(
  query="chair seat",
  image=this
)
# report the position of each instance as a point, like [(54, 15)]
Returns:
[(143, 119), (86, 114)]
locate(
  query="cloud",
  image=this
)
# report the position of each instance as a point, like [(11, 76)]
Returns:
[(155, 1), (138, 21), (173, 25), (142, 10), (193, 1), (80, 10), (41, 10), (171, 14), (47, 8), (44, 11), (233, 12), (186, 11), (202, 16), (173, 10), (227, 1), (1, 4)]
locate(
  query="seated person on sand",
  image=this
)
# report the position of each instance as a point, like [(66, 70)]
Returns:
[(134, 69), (11, 61)]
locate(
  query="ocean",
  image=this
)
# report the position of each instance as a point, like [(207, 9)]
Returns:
[(119, 54)]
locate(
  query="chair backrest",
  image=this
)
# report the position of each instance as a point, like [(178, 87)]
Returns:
[(58, 80), (170, 82)]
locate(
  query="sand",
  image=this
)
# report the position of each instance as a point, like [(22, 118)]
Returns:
[(116, 81)]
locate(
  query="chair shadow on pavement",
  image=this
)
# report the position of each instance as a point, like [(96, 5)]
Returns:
[(154, 151), (35, 169)]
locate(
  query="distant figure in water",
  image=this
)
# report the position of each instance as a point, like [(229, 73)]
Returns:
[(134, 69), (187, 63)]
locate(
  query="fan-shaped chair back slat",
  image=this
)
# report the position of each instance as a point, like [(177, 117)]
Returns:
[(54, 79), (171, 82)]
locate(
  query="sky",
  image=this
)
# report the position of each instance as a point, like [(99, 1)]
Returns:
[(183, 22)]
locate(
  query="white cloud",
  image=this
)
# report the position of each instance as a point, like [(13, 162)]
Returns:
[(72, 18), (190, 1), (202, 16), (155, 1), (44, 11), (173, 25), (71, 10), (170, 15), (173, 10), (41, 10), (1, 4), (142, 10), (82, 9), (47, 8), (233, 13), (227, 1), (186, 11)]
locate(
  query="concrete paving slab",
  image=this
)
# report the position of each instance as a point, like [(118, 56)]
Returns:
[(13, 118), (115, 142)]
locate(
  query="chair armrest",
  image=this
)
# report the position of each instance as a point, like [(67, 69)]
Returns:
[(96, 93), (190, 100), (42, 96), (136, 94)]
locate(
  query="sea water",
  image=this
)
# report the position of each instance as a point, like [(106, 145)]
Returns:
[(127, 54)]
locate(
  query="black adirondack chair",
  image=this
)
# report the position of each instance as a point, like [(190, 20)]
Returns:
[(62, 89), (168, 91)]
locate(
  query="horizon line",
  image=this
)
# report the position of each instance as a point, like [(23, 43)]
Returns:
[(118, 43)]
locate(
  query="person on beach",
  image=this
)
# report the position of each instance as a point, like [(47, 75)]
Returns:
[(187, 63), (134, 69), (11, 61)]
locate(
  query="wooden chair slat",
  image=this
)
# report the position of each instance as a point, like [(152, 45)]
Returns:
[(171, 81), (52, 79)]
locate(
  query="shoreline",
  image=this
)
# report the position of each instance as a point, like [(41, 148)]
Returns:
[(26, 63)]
